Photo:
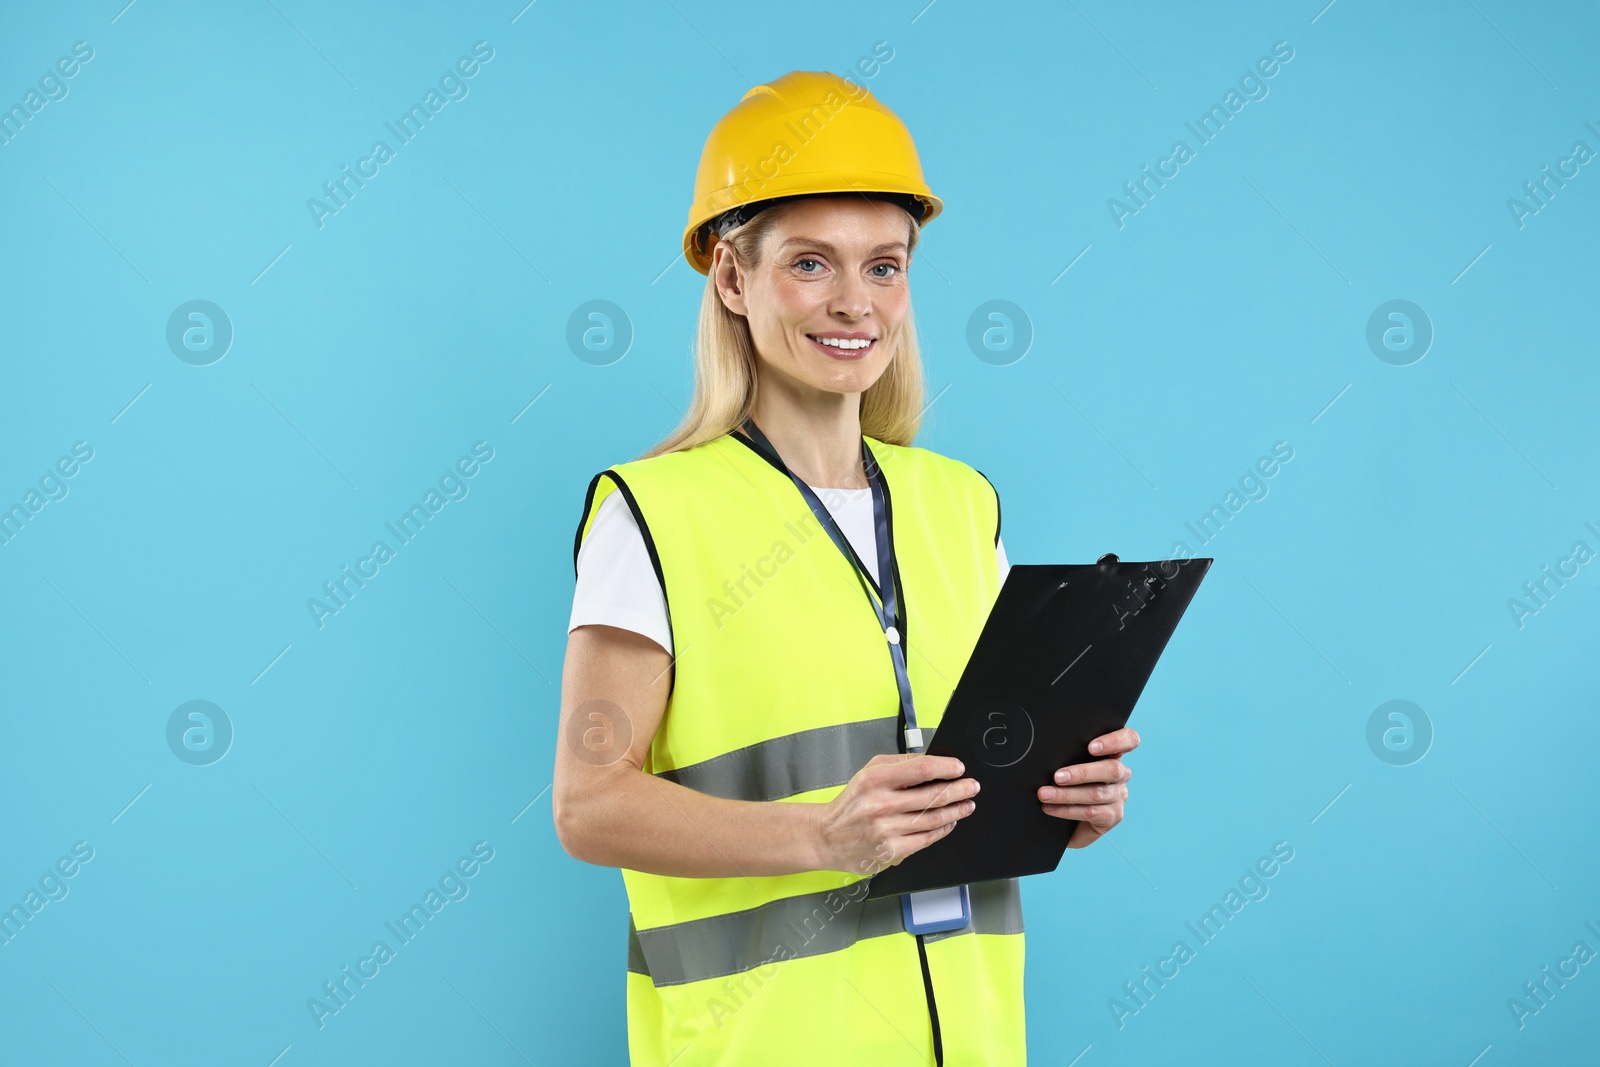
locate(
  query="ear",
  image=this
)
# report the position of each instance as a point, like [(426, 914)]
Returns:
[(728, 277)]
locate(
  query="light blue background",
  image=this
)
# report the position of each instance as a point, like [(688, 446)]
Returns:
[(1228, 314)]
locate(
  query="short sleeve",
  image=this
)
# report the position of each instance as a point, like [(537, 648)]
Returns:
[(617, 586)]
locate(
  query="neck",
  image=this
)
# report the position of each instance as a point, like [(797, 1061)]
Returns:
[(818, 438)]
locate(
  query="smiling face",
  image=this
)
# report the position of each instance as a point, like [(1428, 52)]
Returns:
[(827, 297)]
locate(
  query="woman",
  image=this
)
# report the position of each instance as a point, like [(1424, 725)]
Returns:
[(773, 607)]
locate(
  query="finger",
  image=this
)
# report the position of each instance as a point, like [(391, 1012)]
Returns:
[(911, 770), (917, 842), (933, 795), (1101, 815), (1096, 793), (1115, 743), (890, 757), (1084, 834), (894, 770), (1103, 770), (915, 822)]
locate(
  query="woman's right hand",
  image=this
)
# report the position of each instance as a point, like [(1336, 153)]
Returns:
[(894, 806)]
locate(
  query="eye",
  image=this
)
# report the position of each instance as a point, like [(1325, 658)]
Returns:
[(894, 268), (807, 259)]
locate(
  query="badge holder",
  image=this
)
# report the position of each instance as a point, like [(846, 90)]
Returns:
[(934, 911)]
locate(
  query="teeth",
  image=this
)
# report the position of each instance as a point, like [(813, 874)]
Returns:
[(843, 342)]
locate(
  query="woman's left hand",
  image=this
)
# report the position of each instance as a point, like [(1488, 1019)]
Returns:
[(1093, 793)]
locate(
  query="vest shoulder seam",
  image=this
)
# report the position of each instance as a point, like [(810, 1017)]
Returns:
[(583, 518), (613, 473), (997, 517)]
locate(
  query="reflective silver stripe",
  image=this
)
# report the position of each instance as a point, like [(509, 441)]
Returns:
[(636, 961), (806, 925), (996, 909), (791, 764)]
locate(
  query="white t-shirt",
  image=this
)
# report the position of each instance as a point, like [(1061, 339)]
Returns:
[(617, 586)]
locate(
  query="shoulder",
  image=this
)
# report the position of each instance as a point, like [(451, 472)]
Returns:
[(668, 465), (926, 464), (958, 484), (653, 485), (649, 471)]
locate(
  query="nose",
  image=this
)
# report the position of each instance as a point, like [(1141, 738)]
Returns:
[(851, 298)]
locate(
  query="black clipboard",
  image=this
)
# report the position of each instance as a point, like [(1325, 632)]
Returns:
[(1062, 659)]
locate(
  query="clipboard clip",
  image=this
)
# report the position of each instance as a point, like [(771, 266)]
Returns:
[(1109, 557)]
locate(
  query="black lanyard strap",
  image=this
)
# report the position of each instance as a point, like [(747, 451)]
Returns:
[(887, 606)]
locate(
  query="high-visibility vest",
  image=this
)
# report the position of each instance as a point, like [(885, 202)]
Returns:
[(782, 689)]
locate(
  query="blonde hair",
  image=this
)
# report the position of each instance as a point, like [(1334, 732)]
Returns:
[(725, 363)]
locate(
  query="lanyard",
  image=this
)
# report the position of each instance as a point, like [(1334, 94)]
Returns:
[(890, 614)]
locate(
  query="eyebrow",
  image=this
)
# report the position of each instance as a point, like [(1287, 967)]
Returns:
[(889, 246)]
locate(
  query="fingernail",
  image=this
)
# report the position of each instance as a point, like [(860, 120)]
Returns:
[(1063, 777), (1095, 746)]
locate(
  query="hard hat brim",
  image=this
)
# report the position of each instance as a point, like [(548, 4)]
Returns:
[(699, 240)]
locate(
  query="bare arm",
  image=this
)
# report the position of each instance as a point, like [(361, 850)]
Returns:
[(608, 811)]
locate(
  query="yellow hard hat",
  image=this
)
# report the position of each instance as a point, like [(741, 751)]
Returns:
[(806, 133)]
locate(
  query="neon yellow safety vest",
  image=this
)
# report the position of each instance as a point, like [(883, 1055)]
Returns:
[(782, 689)]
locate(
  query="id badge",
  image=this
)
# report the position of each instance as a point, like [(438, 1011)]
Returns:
[(935, 910)]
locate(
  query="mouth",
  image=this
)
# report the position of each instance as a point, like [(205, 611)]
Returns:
[(844, 346)]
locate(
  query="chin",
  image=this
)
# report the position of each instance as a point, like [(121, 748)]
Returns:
[(851, 379)]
